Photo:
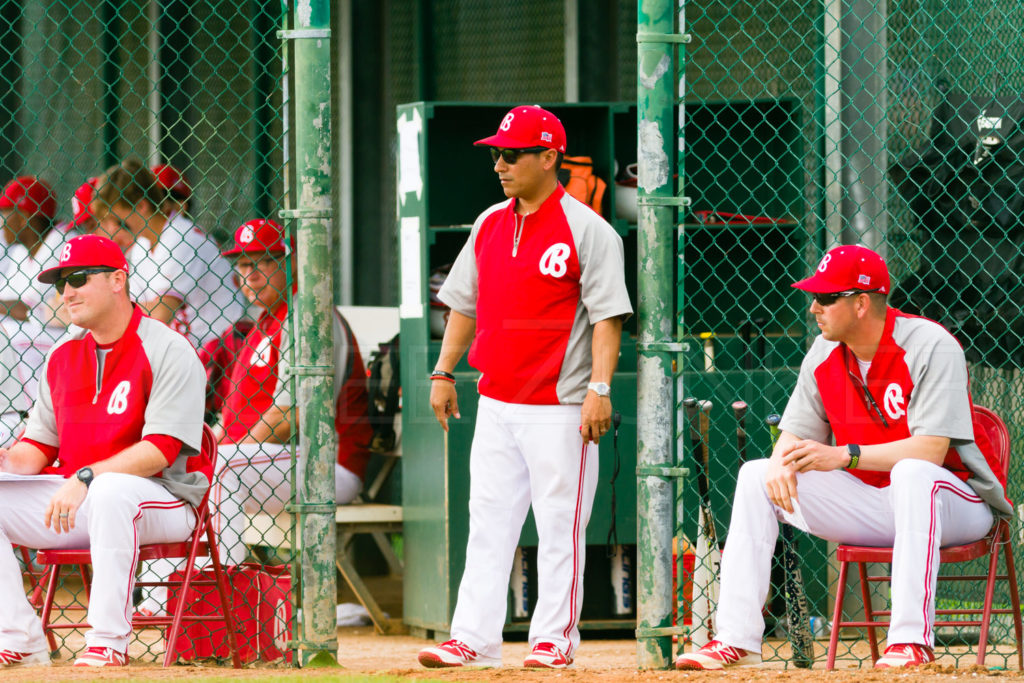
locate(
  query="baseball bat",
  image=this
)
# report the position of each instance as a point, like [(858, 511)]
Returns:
[(797, 614), (708, 556), (739, 411)]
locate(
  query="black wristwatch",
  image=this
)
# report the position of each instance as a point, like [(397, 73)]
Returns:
[(85, 476), (854, 451)]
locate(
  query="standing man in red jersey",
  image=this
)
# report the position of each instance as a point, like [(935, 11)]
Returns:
[(538, 296)]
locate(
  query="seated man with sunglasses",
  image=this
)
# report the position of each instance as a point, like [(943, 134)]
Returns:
[(890, 390), (119, 413)]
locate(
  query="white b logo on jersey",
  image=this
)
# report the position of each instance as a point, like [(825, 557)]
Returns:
[(824, 263), (246, 235), (261, 356), (894, 402), (65, 253), (506, 123), (119, 399), (553, 261)]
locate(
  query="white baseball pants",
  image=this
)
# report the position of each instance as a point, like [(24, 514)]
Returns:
[(925, 508), (525, 454), (255, 478), (250, 478), (120, 512)]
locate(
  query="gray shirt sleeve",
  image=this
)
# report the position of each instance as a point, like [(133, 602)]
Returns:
[(459, 291), (178, 394), (940, 404), (42, 421), (804, 416), (602, 268)]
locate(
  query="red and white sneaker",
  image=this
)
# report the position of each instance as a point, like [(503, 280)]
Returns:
[(715, 656), (12, 658), (454, 653), (102, 656), (547, 656), (902, 655)]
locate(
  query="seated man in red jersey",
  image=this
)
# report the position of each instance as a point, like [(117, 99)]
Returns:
[(890, 390), (253, 468), (258, 418), (118, 416)]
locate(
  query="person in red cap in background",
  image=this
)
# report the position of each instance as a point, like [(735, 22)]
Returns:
[(254, 458), (540, 291), (120, 418), (82, 219), (27, 209), (890, 391), (179, 192), (189, 285)]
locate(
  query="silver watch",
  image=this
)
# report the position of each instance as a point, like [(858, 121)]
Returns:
[(600, 388)]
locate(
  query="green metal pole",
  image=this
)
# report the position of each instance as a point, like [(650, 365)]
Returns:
[(656, 345), (311, 325)]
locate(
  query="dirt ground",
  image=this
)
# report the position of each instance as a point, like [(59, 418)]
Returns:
[(606, 661)]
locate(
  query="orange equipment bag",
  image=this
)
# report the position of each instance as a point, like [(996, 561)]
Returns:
[(577, 176)]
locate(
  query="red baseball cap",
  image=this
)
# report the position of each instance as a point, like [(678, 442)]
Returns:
[(528, 126), (29, 195), (81, 200), (258, 236), (172, 180), (86, 251), (848, 267)]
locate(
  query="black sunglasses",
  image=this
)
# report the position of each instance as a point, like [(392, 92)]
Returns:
[(829, 298), (79, 277), (511, 156)]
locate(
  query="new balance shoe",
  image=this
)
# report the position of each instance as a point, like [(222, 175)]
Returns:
[(715, 656), (902, 655), (454, 653), (547, 656), (12, 658), (102, 656)]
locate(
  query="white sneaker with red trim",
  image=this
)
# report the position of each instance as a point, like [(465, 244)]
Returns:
[(715, 656), (547, 656), (102, 656), (902, 655), (454, 653), (12, 658)]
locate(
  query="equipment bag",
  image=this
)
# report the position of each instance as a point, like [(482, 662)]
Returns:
[(384, 384), (261, 603), (577, 176)]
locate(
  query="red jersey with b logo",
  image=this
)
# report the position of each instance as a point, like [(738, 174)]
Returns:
[(536, 284), (916, 384)]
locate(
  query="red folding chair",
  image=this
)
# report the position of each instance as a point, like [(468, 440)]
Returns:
[(999, 537), (191, 549)]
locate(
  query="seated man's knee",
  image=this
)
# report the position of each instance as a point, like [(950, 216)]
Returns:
[(752, 473), (106, 494), (109, 485), (914, 472)]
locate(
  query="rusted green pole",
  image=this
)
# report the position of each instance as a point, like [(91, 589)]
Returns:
[(656, 346), (312, 320)]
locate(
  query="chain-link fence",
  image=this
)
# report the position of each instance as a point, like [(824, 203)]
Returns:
[(160, 126), (813, 124), (807, 124)]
